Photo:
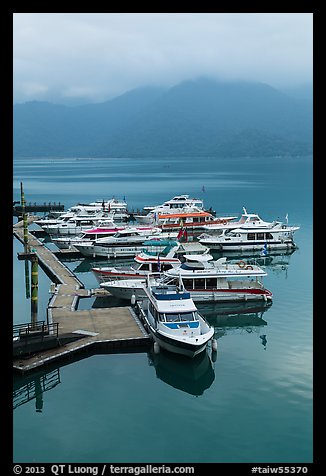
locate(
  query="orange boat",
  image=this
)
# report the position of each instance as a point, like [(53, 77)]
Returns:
[(190, 220)]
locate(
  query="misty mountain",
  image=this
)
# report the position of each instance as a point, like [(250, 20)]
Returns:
[(194, 118)]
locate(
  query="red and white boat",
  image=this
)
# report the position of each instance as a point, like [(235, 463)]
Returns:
[(146, 263), (205, 279)]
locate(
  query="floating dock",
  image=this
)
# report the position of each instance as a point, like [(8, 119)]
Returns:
[(106, 328)]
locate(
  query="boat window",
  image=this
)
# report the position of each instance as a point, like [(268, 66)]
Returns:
[(260, 236), (166, 266), (172, 317), (188, 283), (187, 316), (210, 283), (251, 236), (145, 267), (200, 283), (192, 266), (176, 317), (269, 236)]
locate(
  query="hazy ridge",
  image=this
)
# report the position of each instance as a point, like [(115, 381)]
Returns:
[(195, 118)]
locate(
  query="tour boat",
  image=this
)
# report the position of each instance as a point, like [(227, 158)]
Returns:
[(117, 207), (113, 209), (75, 225), (247, 221), (194, 220), (205, 279), (220, 280), (84, 211), (279, 236), (174, 205), (67, 242), (124, 243), (172, 319), (146, 263)]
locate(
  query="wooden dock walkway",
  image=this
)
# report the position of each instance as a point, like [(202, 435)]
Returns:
[(109, 328), (34, 207)]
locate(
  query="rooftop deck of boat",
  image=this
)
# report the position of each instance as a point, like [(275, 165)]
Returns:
[(107, 328)]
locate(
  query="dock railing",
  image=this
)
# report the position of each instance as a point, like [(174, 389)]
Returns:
[(32, 337), (34, 329)]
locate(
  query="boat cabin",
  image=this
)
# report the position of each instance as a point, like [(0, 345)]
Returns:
[(161, 307)]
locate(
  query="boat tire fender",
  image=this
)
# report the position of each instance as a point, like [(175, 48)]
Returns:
[(156, 348), (242, 264), (249, 267), (214, 345)]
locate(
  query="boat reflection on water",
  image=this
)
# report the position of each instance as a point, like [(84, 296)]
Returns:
[(236, 318), (192, 376), (86, 264), (273, 260), (30, 387)]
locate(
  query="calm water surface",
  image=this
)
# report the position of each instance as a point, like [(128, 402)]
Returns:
[(253, 404)]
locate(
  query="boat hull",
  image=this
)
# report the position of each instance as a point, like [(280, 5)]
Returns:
[(112, 251), (186, 347), (222, 295), (103, 277), (221, 246), (178, 347)]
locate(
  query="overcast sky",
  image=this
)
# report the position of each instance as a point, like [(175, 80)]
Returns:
[(86, 57)]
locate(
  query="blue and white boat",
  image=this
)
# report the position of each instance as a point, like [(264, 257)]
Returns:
[(172, 319)]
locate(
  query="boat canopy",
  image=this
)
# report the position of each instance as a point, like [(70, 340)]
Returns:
[(202, 257), (160, 243)]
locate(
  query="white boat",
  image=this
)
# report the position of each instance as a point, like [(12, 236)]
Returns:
[(220, 280), (77, 210), (279, 236), (116, 207), (75, 225), (247, 221), (205, 279), (172, 319), (127, 242), (111, 209), (67, 242), (174, 205)]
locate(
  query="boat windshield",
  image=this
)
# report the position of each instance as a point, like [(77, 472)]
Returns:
[(136, 266), (192, 266), (180, 316)]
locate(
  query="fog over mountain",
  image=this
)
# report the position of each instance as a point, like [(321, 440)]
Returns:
[(202, 117)]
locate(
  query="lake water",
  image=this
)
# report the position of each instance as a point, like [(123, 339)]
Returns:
[(253, 404)]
